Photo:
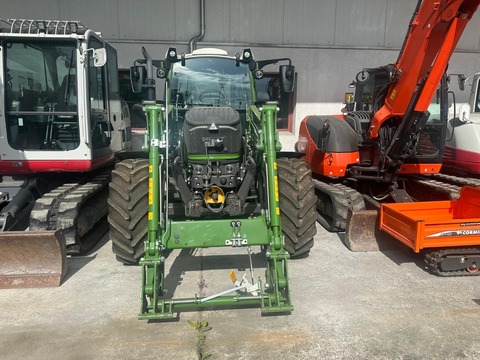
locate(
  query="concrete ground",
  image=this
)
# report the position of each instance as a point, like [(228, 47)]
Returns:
[(376, 305)]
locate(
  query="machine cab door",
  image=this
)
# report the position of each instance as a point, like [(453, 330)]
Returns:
[(100, 129)]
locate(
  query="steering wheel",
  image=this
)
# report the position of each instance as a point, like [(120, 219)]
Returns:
[(211, 97)]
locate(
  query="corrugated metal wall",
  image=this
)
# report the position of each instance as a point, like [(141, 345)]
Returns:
[(315, 23), (329, 41)]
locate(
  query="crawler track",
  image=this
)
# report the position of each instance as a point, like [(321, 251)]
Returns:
[(465, 259), (75, 208), (333, 203), (438, 187), (456, 180)]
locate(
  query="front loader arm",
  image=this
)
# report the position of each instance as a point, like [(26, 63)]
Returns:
[(269, 112)]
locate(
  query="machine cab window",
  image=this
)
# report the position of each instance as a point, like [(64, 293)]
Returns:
[(97, 88), (41, 95), (211, 82)]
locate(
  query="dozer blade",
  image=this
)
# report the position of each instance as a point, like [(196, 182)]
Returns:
[(362, 232), (32, 259)]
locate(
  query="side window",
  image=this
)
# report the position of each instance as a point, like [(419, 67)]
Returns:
[(97, 87), (96, 79), (477, 102), (112, 63), (268, 88), (137, 116)]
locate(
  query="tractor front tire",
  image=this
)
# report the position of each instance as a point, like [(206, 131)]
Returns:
[(297, 205), (128, 209)]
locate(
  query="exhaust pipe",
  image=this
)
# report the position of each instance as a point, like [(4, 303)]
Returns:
[(192, 45)]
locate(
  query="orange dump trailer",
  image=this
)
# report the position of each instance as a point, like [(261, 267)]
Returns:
[(435, 224)]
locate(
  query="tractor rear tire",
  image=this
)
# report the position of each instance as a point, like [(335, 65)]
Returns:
[(128, 209), (297, 205)]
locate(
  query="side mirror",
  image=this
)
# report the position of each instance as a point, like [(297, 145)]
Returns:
[(287, 78), (138, 75), (362, 77), (99, 57), (461, 81), (464, 113)]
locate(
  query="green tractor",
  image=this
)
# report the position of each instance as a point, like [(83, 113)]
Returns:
[(212, 179)]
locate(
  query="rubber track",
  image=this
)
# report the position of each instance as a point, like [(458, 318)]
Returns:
[(61, 208), (456, 180), (297, 205), (128, 209), (342, 198), (433, 259), (447, 185), (435, 189)]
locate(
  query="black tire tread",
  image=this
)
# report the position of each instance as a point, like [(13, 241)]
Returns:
[(128, 209), (297, 205)]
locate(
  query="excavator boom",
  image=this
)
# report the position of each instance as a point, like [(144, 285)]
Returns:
[(433, 34)]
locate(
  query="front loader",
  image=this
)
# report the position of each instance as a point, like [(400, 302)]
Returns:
[(212, 179)]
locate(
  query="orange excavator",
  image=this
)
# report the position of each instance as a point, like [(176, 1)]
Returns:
[(383, 156)]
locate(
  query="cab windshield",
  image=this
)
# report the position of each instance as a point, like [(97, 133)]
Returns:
[(211, 81), (40, 95)]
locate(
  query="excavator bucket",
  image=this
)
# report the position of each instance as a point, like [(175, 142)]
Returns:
[(362, 232), (32, 259)]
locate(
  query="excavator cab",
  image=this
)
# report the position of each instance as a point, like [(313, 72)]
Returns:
[(63, 123), (369, 85), (423, 145)]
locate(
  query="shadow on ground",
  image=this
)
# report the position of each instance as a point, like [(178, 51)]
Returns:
[(97, 240), (193, 260), (396, 251)]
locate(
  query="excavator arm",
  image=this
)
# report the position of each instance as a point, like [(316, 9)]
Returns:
[(434, 31), (433, 34)]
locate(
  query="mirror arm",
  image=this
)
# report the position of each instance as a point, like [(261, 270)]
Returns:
[(264, 63), (84, 53)]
